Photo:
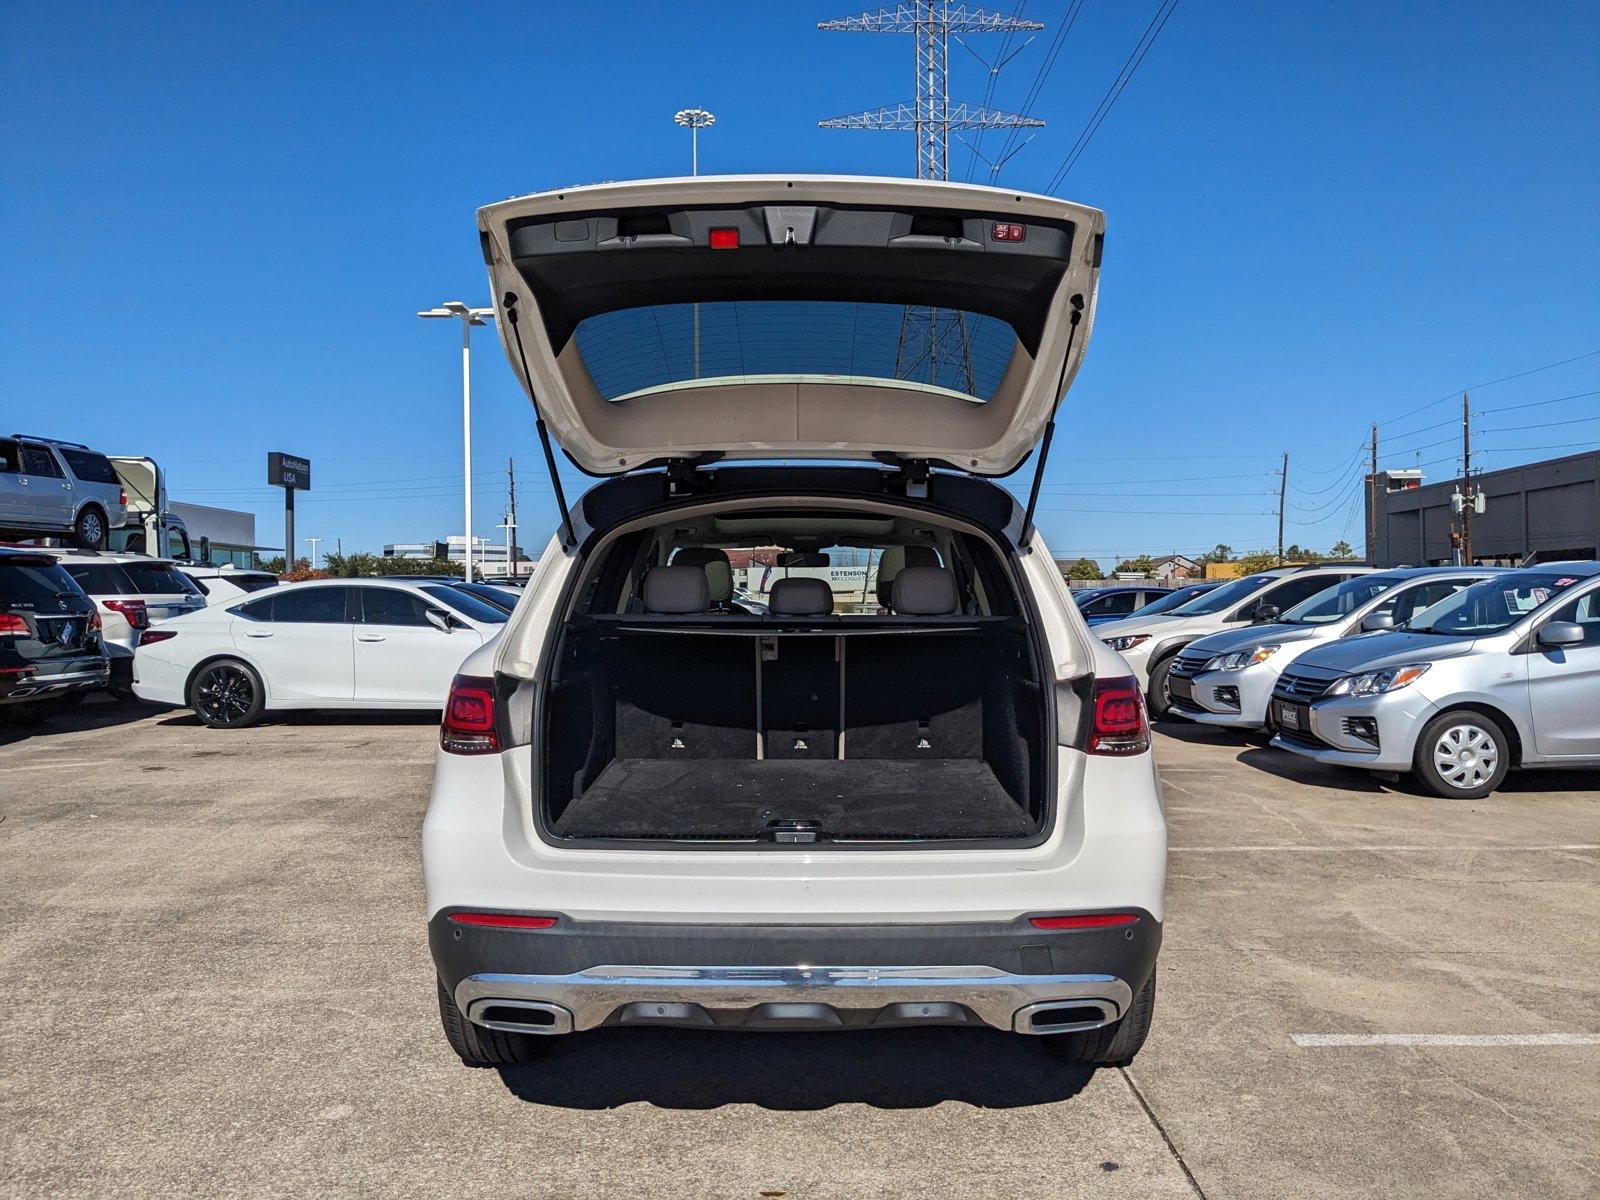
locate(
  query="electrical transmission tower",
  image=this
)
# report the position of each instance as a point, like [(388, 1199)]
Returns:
[(932, 341)]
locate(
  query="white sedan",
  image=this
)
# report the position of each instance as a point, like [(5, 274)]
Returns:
[(348, 643)]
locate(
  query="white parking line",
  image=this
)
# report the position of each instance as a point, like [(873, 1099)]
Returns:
[(1444, 1039), (1447, 849)]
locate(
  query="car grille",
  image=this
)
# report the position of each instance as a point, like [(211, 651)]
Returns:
[(1303, 683), (1188, 664)]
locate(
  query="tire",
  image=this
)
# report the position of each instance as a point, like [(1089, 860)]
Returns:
[(1462, 755), (227, 694), (89, 532), (1113, 1045), (1156, 698), (480, 1047)]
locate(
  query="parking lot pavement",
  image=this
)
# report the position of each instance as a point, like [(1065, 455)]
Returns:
[(216, 980)]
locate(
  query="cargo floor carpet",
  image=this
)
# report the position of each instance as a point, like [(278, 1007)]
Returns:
[(737, 798)]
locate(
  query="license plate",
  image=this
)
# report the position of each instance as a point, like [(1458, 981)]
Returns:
[(1289, 716)]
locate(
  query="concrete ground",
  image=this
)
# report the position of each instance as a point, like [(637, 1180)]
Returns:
[(215, 980)]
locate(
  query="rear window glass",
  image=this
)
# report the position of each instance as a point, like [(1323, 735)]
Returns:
[(251, 583), (159, 579), (29, 587), (655, 347), (101, 579), (89, 466)]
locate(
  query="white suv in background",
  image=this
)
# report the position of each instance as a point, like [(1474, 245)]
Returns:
[(1150, 645), (651, 808), (132, 592)]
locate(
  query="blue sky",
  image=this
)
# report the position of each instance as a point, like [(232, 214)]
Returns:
[(219, 221)]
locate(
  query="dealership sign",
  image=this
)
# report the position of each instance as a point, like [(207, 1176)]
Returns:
[(288, 471)]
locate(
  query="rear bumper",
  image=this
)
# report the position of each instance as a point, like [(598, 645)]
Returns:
[(580, 975), (77, 675)]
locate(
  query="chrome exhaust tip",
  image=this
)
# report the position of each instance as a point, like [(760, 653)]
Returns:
[(1064, 1016), (520, 1016)]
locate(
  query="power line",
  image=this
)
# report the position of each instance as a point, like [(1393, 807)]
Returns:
[(1454, 392), (1124, 77), (1537, 403)]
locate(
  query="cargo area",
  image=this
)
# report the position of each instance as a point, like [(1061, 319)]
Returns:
[(930, 732)]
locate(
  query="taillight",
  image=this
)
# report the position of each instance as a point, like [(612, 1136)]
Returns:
[(501, 920), (122, 497), (133, 610), (469, 717), (12, 625), (724, 239), (151, 636), (94, 621), (1120, 723), (1084, 921)]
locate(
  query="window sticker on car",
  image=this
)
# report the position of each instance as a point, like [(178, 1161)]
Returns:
[(1566, 581)]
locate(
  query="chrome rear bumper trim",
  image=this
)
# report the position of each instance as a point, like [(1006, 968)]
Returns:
[(998, 998)]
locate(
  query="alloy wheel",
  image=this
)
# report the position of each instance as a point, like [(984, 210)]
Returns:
[(1465, 756), (224, 695), (94, 530)]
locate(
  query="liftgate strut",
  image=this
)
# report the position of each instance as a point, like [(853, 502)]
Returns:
[(1050, 426), (568, 537)]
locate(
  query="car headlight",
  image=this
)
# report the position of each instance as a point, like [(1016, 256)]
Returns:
[(1375, 683), (1127, 641), (1240, 659)]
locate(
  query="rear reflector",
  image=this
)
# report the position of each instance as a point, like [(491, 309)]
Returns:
[(501, 920), (1084, 921), (1120, 723), (724, 239), (469, 726)]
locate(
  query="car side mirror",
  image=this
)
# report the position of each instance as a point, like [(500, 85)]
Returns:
[(1375, 622), (439, 619), (1266, 614), (1557, 634)]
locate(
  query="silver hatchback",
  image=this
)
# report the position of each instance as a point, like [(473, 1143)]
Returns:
[(1505, 673)]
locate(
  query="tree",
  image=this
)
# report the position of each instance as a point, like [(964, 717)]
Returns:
[(1342, 551), (1085, 568), (350, 566), (1261, 560), (1143, 565), (1221, 554)]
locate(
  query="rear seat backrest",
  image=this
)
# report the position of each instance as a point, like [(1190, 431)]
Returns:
[(896, 559), (676, 589), (924, 592), (714, 562), (801, 597)]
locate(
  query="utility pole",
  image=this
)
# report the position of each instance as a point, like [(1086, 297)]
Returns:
[(313, 542), (1283, 491), (1466, 481), (931, 339), (511, 478), (1372, 500)]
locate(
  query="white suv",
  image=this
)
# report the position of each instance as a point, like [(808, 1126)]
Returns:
[(132, 592), (651, 808), (1150, 645)]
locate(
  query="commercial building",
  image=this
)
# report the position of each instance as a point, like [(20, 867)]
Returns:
[(1545, 511), (488, 558), (229, 535)]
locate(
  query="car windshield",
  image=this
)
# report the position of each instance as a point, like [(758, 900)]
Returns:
[(1224, 597), (488, 595), (466, 604), (1339, 601), (1170, 601), (1493, 605), (159, 579)]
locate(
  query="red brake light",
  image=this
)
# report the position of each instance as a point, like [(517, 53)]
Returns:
[(1006, 231), (1120, 723), (94, 621), (1084, 921), (724, 239), (11, 624), (469, 717), (501, 920), (151, 636), (133, 610)]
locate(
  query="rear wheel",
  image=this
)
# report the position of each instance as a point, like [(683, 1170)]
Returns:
[(89, 531), (227, 694), (1115, 1044), (480, 1047), (1462, 755)]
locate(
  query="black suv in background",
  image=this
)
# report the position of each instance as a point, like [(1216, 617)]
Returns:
[(50, 645)]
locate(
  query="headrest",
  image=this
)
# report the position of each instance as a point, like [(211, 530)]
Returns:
[(924, 592), (676, 589), (896, 559), (800, 597), (719, 571)]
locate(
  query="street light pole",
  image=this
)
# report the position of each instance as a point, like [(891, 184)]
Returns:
[(313, 542), (468, 318), (695, 119)]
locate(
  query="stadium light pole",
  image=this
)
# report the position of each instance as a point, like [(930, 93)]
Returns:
[(468, 318), (694, 120)]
